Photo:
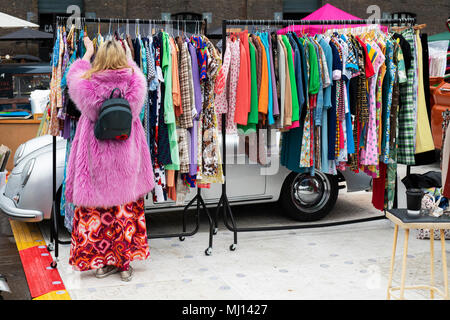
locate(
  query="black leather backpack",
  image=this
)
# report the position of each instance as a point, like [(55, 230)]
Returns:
[(114, 119)]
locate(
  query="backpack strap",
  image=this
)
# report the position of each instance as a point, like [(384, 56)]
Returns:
[(112, 93)]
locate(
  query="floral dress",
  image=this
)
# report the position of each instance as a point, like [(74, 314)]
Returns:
[(210, 163)]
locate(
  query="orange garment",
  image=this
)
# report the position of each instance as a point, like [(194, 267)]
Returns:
[(172, 193), (264, 92), (242, 96), (170, 178), (176, 91), (171, 188)]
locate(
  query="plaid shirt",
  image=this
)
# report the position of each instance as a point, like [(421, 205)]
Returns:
[(185, 119), (183, 149), (406, 116)]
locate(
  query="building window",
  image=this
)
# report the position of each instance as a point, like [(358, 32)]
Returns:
[(190, 27), (402, 15), (294, 15), (296, 10)]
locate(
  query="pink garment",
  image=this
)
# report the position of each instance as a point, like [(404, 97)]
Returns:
[(369, 154), (242, 96), (107, 173), (232, 85), (220, 87), (296, 123)]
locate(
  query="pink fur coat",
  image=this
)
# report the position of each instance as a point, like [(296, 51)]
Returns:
[(107, 173)]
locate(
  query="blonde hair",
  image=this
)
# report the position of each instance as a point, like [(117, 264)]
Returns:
[(110, 56)]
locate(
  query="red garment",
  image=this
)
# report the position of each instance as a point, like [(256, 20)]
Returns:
[(108, 236), (249, 68), (243, 86), (368, 64), (312, 105), (447, 185), (379, 187)]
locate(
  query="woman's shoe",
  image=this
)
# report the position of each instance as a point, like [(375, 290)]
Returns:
[(105, 271), (127, 274)]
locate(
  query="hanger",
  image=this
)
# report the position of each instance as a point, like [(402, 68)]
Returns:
[(98, 26), (116, 33), (136, 30), (415, 27)]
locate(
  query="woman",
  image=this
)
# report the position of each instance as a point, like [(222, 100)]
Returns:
[(106, 180)]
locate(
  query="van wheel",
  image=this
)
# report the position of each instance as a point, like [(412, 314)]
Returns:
[(309, 198)]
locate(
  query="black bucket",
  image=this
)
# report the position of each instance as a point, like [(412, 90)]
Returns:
[(414, 201)]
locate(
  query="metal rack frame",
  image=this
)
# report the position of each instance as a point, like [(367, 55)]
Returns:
[(224, 204), (198, 199)]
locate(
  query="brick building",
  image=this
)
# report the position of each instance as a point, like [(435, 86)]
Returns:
[(44, 11)]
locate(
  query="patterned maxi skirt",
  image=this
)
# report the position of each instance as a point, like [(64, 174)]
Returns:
[(108, 236)]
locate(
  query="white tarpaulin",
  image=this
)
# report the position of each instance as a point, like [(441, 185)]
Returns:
[(7, 21), (437, 51), (39, 100)]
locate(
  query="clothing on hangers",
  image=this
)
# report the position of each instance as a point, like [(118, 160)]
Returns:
[(345, 99), (181, 75)]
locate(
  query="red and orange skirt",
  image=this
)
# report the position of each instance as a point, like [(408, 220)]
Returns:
[(109, 236)]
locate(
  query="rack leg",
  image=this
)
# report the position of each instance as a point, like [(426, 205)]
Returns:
[(405, 252), (208, 251), (55, 218), (216, 215), (55, 223), (444, 264), (227, 210), (432, 261), (52, 237), (182, 238), (184, 219), (391, 271)]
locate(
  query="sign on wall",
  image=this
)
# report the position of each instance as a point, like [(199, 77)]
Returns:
[(6, 85)]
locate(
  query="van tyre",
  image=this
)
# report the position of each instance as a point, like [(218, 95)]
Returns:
[(309, 198)]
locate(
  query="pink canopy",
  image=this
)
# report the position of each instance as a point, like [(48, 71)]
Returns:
[(327, 12)]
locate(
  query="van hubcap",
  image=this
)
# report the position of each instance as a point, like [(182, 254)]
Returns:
[(311, 193)]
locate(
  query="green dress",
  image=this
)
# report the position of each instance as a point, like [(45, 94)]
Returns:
[(295, 105), (169, 114)]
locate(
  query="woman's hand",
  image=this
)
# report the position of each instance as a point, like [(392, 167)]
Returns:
[(89, 49)]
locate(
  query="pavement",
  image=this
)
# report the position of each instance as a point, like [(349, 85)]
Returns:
[(11, 265), (341, 262)]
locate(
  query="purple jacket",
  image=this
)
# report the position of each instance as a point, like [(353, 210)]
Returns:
[(198, 107), (107, 173)]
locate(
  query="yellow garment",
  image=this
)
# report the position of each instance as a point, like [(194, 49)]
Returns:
[(424, 139)]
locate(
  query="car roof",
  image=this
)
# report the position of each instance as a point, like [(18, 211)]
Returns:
[(20, 68)]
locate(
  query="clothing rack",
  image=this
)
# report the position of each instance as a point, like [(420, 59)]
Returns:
[(224, 204), (54, 226)]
